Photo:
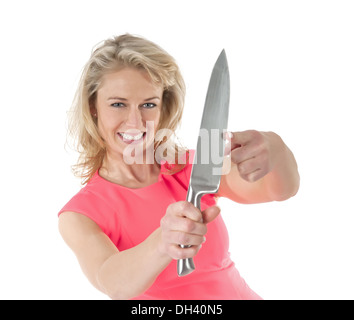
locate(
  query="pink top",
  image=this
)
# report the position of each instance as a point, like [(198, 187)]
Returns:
[(129, 216)]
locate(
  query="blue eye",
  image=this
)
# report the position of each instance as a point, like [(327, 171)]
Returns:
[(117, 105), (149, 105)]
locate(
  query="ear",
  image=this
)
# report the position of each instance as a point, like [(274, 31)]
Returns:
[(92, 104), (93, 111)]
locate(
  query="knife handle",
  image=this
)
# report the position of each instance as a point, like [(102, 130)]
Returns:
[(186, 266)]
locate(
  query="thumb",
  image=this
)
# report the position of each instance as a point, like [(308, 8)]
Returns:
[(210, 214)]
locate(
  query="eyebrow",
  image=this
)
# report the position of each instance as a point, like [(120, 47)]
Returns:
[(124, 99)]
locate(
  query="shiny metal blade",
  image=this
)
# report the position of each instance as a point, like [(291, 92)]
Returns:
[(208, 160), (209, 154)]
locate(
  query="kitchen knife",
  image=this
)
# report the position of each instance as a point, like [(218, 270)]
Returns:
[(209, 154)]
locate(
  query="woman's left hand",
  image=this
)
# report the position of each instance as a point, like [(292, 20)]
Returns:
[(254, 153), (260, 168)]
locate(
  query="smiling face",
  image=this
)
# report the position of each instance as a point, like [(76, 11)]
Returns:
[(128, 105)]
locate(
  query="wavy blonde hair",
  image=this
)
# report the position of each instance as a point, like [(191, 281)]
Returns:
[(111, 55)]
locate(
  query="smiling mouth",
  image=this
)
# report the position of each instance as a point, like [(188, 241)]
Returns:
[(128, 138)]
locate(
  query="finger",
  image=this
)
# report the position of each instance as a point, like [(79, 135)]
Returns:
[(251, 172), (227, 137), (176, 252), (182, 224), (244, 153), (210, 214), (254, 176), (241, 147), (186, 239), (188, 226), (248, 166), (241, 138), (184, 209)]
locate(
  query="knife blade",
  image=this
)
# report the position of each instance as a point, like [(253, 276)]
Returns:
[(209, 154)]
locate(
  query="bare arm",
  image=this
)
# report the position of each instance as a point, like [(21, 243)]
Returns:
[(129, 273), (262, 169), (120, 275)]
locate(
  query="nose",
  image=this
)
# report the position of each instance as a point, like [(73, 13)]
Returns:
[(134, 118)]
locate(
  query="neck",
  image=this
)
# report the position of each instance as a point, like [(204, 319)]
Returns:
[(134, 175)]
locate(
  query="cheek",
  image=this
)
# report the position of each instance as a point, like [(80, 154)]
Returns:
[(105, 125), (152, 118), (157, 118), (101, 129)]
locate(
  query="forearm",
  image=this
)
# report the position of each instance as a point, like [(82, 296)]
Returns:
[(129, 273)]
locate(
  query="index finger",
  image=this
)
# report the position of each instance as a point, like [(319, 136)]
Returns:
[(241, 138), (185, 209)]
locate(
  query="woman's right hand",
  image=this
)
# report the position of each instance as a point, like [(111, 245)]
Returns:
[(185, 224)]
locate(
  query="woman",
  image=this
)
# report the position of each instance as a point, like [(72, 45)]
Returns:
[(125, 226)]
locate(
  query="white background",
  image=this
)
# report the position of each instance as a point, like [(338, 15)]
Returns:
[(292, 72)]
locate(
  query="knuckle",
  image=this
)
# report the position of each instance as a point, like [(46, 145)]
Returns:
[(245, 167), (235, 156), (170, 207), (184, 205), (204, 230), (245, 177), (178, 253), (165, 238), (241, 168), (173, 253), (183, 238), (188, 209), (189, 225), (255, 134), (182, 253), (197, 248), (250, 178), (164, 222)]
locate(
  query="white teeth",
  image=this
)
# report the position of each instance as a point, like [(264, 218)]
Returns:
[(129, 137)]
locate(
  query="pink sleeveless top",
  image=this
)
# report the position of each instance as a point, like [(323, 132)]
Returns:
[(128, 216)]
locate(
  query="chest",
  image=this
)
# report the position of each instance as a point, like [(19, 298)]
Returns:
[(139, 211)]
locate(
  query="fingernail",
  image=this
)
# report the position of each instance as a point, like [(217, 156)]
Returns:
[(227, 135), (227, 150)]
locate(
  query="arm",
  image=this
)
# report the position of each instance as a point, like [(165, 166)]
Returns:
[(120, 275), (262, 169), (129, 273)]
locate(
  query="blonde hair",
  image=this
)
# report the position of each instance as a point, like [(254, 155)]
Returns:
[(123, 51)]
